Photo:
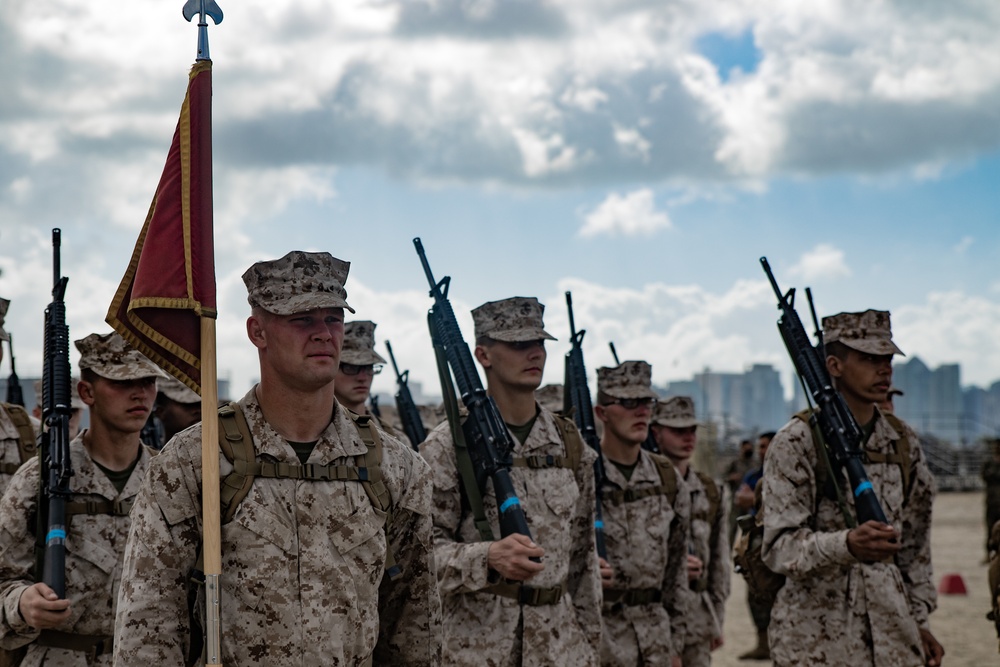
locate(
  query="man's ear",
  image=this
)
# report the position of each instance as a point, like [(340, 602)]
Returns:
[(601, 412), (482, 355), (255, 332), (86, 391), (834, 366)]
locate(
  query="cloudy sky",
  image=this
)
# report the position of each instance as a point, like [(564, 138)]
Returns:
[(642, 154)]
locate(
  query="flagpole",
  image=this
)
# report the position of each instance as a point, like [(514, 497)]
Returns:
[(211, 502)]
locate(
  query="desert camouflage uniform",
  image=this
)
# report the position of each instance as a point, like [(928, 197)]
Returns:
[(647, 548), (302, 561), (10, 453), (834, 610), (708, 541), (481, 628), (94, 548)]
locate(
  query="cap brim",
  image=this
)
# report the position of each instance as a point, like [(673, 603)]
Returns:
[(631, 392), (130, 372), (521, 335), (361, 358), (880, 346), (677, 423), (305, 302)]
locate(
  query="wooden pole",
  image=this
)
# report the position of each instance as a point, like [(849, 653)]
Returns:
[(211, 504)]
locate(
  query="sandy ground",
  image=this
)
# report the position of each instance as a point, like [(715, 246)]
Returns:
[(957, 541)]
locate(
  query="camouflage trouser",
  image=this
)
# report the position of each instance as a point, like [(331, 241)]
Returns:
[(697, 655), (760, 612)]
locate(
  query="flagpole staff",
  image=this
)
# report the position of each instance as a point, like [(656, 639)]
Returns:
[(211, 503)]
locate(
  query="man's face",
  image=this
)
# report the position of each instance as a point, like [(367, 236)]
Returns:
[(675, 442), (515, 365), (627, 420), (120, 405), (746, 450), (862, 376), (353, 384), (177, 416), (303, 349), (762, 445)]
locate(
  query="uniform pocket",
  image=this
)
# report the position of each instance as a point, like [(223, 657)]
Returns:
[(257, 549)]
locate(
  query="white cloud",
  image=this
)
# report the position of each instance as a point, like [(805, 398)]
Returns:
[(964, 244), (631, 214), (824, 262)]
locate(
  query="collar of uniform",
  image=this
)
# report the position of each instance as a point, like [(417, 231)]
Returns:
[(7, 429), (883, 434), (340, 438), (88, 479), (543, 434), (645, 473)]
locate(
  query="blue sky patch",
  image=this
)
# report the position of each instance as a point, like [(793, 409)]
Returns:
[(728, 51)]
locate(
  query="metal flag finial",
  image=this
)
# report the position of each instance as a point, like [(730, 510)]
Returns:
[(203, 8)]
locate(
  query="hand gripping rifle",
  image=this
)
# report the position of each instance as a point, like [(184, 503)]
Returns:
[(576, 400), (487, 438), (409, 415), (56, 411), (832, 419), (15, 395)]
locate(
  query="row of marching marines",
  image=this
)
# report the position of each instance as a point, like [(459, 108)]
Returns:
[(510, 529)]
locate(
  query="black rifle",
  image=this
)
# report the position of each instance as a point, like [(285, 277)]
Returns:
[(15, 395), (614, 353), (409, 414), (56, 411), (376, 410), (488, 440), (832, 418), (576, 400)]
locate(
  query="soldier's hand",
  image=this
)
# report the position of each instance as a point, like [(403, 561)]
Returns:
[(744, 497), (694, 566), (933, 651), (41, 608), (512, 555), (873, 541), (607, 574), (676, 661)]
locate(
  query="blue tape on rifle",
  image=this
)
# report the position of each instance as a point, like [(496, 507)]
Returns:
[(598, 524), (510, 502), (862, 487), (55, 534)]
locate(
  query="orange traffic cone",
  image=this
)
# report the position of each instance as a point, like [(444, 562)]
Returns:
[(952, 584)]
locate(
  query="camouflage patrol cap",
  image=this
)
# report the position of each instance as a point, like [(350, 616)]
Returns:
[(869, 331), (112, 358), (359, 344), (298, 282), (512, 320), (550, 397), (676, 411), (75, 401), (176, 390), (630, 379), (4, 305)]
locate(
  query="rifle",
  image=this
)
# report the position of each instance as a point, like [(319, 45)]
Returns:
[(832, 420), (576, 400), (488, 440), (614, 353), (15, 395), (376, 410), (409, 415), (56, 468)]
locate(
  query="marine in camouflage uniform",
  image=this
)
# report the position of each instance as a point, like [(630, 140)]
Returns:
[(177, 407), (675, 427), (991, 477), (481, 581), (302, 559), (108, 467), (857, 596), (359, 364), (12, 437), (645, 529)]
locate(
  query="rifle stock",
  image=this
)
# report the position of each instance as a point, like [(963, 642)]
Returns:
[(576, 396), (836, 424), (56, 410), (488, 440), (409, 414)]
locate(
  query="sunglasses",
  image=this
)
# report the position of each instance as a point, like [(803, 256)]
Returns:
[(633, 403), (687, 430), (354, 369)]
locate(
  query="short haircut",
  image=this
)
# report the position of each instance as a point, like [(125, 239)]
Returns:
[(604, 399), (88, 375), (837, 349), (767, 434), (485, 341)]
